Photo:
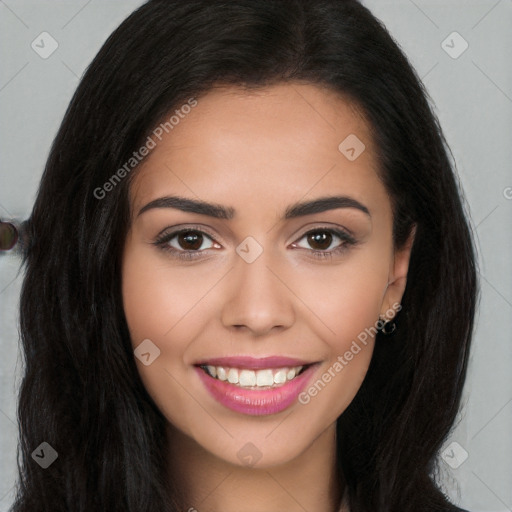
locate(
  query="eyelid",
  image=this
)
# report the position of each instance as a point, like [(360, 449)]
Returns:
[(174, 230), (342, 232)]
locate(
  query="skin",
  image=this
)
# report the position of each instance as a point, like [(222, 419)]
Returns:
[(259, 152)]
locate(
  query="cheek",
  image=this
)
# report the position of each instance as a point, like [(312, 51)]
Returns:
[(169, 307), (346, 297), (155, 300), (162, 312), (351, 315)]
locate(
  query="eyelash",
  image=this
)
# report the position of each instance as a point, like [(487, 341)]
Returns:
[(163, 240)]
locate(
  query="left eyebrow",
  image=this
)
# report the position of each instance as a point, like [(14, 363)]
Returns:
[(324, 204), (221, 212)]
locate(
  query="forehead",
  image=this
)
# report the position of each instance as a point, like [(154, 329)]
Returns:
[(275, 142)]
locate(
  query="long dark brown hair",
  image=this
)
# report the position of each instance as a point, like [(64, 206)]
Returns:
[(81, 392)]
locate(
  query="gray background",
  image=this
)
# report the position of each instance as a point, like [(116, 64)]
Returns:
[(473, 98)]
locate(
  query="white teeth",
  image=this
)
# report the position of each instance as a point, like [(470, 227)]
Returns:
[(247, 378), (221, 373), (280, 377), (233, 376), (264, 378), (253, 378)]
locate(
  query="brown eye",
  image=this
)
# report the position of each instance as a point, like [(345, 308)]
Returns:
[(190, 240), (186, 241), (326, 242), (320, 240)]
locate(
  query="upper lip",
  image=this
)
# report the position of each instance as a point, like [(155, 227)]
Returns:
[(254, 363)]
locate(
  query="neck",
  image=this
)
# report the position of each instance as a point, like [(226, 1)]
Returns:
[(311, 481)]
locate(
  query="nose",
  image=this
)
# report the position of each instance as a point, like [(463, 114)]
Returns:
[(259, 299)]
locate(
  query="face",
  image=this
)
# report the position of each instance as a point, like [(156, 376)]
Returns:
[(286, 273)]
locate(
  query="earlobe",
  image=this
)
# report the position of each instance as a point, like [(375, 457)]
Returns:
[(397, 278)]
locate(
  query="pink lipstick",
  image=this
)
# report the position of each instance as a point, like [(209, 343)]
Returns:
[(255, 386)]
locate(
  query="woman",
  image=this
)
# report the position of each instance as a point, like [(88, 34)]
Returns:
[(250, 283)]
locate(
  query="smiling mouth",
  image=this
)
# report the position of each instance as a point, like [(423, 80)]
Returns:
[(266, 378)]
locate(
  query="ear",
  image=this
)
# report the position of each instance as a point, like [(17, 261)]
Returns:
[(397, 278)]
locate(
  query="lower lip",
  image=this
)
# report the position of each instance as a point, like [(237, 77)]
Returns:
[(252, 401)]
